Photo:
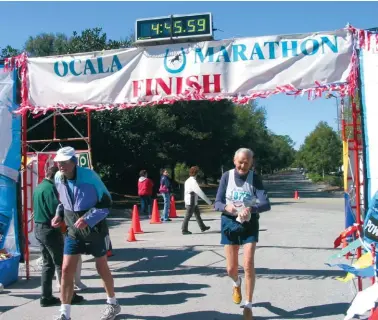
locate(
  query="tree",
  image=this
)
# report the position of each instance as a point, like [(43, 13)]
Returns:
[(47, 44), (283, 151), (322, 150), (95, 40), (8, 52), (162, 136)]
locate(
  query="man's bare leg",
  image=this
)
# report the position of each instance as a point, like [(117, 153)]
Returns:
[(67, 283), (232, 258), (250, 276), (112, 306), (106, 276), (249, 270)]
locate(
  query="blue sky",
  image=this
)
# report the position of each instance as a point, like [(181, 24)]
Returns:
[(286, 115)]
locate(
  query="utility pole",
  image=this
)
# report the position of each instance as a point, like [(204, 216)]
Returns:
[(338, 118)]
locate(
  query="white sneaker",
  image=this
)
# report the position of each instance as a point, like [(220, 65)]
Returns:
[(111, 311), (80, 286), (62, 317)]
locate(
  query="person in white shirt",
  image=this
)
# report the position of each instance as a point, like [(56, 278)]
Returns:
[(191, 193)]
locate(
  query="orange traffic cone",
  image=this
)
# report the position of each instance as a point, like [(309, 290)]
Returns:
[(296, 195), (131, 236), (135, 220), (155, 217), (172, 211)]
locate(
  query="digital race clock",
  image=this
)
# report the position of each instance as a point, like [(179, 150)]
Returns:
[(175, 27)]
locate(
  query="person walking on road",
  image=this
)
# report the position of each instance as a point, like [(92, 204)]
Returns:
[(86, 203), (45, 204), (240, 198), (165, 190), (145, 186), (191, 193)]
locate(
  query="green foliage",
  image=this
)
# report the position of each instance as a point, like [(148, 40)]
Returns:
[(8, 52), (48, 44), (94, 40), (322, 150), (181, 172), (334, 181), (315, 177)]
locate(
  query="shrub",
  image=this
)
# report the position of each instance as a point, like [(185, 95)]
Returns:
[(315, 177), (334, 181), (181, 172)]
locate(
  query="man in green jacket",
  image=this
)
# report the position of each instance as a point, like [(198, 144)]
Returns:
[(45, 203)]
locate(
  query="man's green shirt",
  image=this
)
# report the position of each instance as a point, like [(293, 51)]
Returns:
[(45, 201)]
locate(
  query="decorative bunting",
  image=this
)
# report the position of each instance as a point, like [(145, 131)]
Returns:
[(363, 273), (346, 233), (352, 246)]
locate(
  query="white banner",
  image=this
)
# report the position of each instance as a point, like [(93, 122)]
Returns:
[(8, 127), (369, 88), (224, 68)]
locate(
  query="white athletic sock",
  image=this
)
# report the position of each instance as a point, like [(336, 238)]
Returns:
[(66, 310), (237, 283), (111, 300), (248, 305)]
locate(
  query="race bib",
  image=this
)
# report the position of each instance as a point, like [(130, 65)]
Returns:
[(241, 199), (241, 196)]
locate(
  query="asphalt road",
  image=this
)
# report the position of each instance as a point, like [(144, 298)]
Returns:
[(165, 275)]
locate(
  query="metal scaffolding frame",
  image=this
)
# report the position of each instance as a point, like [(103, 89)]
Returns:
[(355, 146), (29, 145)]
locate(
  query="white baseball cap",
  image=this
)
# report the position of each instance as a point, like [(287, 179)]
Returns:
[(64, 154)]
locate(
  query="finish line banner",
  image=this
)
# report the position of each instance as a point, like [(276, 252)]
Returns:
[(213, 69)]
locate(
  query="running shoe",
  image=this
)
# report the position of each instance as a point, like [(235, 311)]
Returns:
[(62, 317), (111, 311), (236, 293)]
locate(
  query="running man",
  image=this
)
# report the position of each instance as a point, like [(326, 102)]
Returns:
[(241, 198)]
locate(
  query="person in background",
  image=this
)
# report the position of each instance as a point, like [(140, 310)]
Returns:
[(86, 203), (145, 186), (45, 204), (191, 193), (165, 190), (241, 198)]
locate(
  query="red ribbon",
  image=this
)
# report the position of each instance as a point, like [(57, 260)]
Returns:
[(347, 232)]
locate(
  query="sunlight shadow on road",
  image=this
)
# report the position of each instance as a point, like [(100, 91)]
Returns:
[(199, 315), (310, 312)]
